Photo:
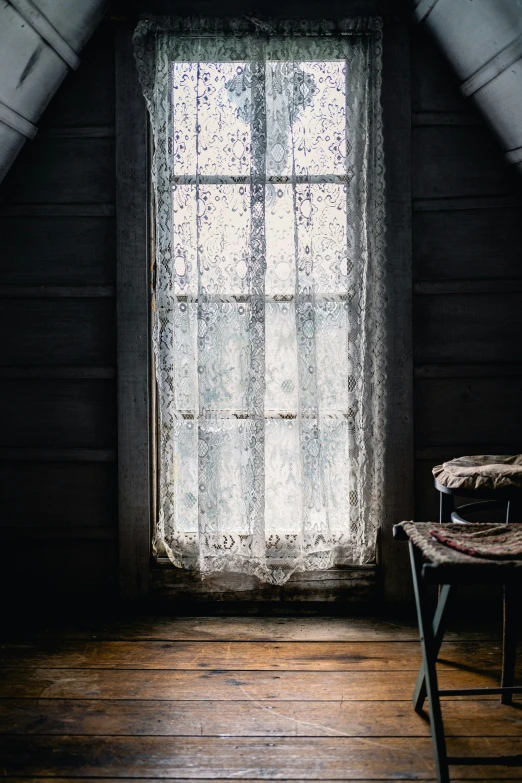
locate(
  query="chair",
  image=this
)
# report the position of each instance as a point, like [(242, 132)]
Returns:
[(434, 563), (492, 481)]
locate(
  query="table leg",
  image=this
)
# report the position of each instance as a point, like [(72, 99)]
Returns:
[(429, 658)]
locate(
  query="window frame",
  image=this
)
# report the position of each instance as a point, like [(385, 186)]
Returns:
[(136, 398)]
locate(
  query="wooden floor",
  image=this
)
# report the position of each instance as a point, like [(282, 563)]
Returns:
[(244, 698)]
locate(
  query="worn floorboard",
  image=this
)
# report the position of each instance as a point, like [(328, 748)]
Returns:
[(252, 699)]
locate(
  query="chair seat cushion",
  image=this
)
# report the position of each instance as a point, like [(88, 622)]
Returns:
[(483, 471)]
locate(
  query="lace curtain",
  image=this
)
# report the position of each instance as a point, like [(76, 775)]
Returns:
[(269, 319)]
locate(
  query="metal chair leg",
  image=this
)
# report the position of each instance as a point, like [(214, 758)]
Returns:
[(509, 642), (439, 629), (430, 672), (447, 505)]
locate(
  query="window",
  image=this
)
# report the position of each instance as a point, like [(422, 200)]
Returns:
[(269, 302)]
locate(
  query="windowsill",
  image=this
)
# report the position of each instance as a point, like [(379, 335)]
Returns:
[(349, 584)]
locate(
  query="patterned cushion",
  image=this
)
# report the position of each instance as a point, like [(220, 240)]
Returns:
[(483, 471)]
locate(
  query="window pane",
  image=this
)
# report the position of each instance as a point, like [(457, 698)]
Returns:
[(311, 220), (221, 115), (306, 117), (223, 214)]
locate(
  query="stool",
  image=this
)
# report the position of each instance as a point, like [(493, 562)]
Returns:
[(434, 563), (493, 481)]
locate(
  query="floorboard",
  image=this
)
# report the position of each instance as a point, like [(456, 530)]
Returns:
[(245, 699)]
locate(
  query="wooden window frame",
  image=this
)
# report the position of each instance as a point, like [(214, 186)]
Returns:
[(139, 574)]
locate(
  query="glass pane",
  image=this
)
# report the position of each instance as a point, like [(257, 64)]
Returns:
[(218, 223), (306, 118), (311, 220), (212, 134)]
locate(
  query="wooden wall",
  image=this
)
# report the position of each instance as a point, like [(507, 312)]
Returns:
[(467, 271), (58, 498), (58, 488)]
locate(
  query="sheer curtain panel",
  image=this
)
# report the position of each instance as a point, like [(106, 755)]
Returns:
[(269, 306)]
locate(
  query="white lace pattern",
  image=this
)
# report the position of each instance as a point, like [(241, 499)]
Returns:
[(270, 306)]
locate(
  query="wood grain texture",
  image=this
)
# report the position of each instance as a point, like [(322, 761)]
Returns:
[(261, 758), (459, 161), (447, 410), (58, 413), (471, 243), (219, 685), (284, 629), (61, 170), (57, 331), (236, 656), (359, 584), (249, 718), (467, 328)]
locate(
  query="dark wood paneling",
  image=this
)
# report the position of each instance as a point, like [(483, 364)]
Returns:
[(86, 96), (468, 328), (449, 161), (468, 243), (434, 85), (350, 585), (58, 494), (55, 170), (59, 414), (57, 251), (467, 410), (57, 331), (63, 570)]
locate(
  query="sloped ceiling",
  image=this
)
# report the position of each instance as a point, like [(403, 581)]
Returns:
[(483, 41), (39, 43)]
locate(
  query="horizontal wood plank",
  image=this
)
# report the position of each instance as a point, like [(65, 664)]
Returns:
[(79, 132), (304, 629), (251, 718), (457, 203), (250, 758), (56, 292), (16, 454), (46, 495), (351, 585), (61, 170), (39, 532), (467, 243), (59, 413), (57, 210), (296, 656), (468, 286), (459, 410), (37, 571), (64, 371), (459, 161), (218, 685), (468, 328), (478, 370), (434, 84), (55, 251), (87, 95), (41, 331)]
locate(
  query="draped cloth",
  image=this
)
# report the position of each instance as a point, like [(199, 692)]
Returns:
[(269, 302)]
